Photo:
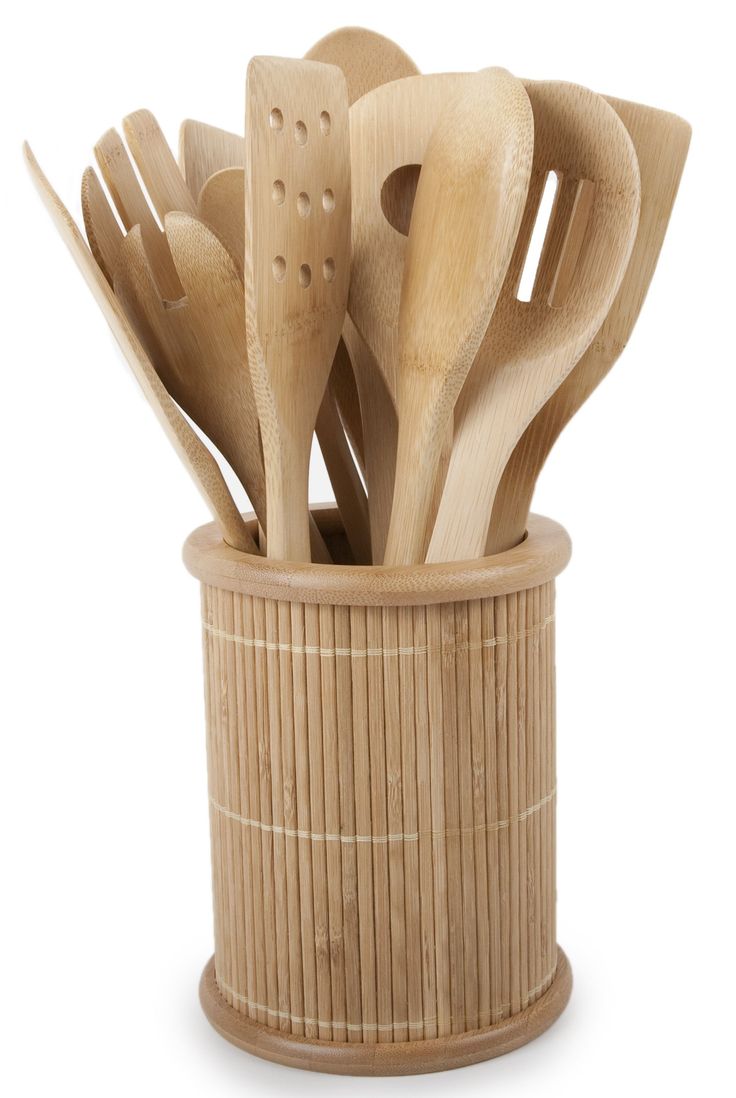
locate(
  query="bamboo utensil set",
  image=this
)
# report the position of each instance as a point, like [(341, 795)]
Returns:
[(380, 739)]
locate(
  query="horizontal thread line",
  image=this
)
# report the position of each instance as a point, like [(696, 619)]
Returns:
[(372, 1027), (411, 837), (362, 653)]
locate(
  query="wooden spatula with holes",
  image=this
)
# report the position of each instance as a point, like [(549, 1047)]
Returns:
[(297, 260)]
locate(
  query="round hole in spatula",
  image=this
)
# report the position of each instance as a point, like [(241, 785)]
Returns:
[(397, 196)]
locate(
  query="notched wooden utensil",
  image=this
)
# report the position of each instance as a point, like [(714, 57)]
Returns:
[(661, 142), (466, 216), (531, 346), (297, 260), (194, 454)]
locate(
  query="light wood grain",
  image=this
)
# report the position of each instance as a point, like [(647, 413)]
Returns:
[(466, 216), (524, 564), (199, 462), (530, 347), (368, 61), (366, 58), (389, 128), (205, 150), (103, 232), (156, 163), (221, 205), (398, 700), (202, 364), (661, 141), (132, 206), (296, 269)]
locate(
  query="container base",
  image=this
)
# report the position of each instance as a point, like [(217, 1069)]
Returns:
[(390, 1058)]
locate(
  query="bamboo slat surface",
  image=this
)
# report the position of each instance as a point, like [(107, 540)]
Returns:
[(382, 800)]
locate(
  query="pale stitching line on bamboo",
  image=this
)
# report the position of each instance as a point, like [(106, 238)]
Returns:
[(294, 833), (359, 653), (358, 1027)]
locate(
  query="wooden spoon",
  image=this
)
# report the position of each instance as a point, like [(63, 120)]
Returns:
[(366, 58), (194, 454), (389, 130), (297, 267), (205, 150), (468, 208), (530, 347), (661, 142)]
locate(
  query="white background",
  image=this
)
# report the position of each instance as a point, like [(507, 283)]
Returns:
[(106, 918)]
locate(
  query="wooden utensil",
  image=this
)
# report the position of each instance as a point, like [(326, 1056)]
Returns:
[(297, 260), (132, 206), (466, 216), (194, 454), (156, 163), (222, 206), (661, 143), (103, 232), (389, 130), (199, 348), (367, 59), (531, 346), (205, 150)]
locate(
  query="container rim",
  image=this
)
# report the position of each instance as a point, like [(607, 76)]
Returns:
[(541, 556)]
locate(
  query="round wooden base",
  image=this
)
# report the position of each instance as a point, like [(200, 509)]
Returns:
[(396, 1058)]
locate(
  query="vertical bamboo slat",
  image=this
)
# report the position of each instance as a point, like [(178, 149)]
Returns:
[(382, 788)]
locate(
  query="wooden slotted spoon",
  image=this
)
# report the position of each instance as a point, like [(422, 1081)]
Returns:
[(661, 142), (194, 454), (530, 347), (297, 260), (466, 216)]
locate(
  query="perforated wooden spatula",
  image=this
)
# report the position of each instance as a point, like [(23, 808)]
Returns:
[(531, 346), (468, 207), (661, 142), (297, 268)]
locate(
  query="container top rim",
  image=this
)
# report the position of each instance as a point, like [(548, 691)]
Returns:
[(540, 557)]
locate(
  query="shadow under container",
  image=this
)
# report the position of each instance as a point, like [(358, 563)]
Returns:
[(381, 756)]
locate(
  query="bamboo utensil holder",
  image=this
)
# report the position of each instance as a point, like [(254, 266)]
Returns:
[(381, 754)]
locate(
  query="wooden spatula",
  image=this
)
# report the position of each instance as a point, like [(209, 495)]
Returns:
[(661, 142), (389, 129), (297, 260), (531, 346), (194, 454), (469, 204)]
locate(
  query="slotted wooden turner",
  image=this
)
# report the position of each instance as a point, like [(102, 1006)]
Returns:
[(531, 346), (297, 260), (661, 142)]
